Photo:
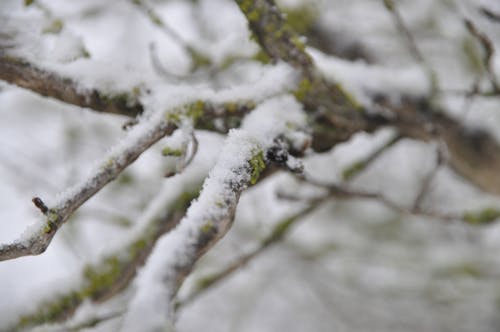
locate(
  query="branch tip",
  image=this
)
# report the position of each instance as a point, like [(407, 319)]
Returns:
[(40, 205)]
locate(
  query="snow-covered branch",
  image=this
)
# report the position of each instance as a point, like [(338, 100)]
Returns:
[(150, 129), (36, 240), (207, 220), (210, 217), (27, 75), (114, 271), (279, 231), (329, 104)]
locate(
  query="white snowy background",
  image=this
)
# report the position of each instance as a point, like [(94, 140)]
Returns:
[(353, 265)]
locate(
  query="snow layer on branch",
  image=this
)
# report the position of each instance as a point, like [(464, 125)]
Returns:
[(223, 43), (281, 115), (150, 309), (270, 80), (365, 80)]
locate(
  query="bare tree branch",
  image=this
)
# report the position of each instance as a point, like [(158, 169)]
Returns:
[(343, 192), (427, 181), (489, 51), (359, 166), (197, 58), (473, 153), (415, 51), (495, 17)]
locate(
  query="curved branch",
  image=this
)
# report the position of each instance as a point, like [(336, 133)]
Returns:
[(207, 220)]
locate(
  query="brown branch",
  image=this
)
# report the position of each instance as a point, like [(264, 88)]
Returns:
[(427, 181), (489, 51), (359, 166), (46, 83), (329, 105), (495, 17), (26, 75), (473, 153), (343, 192), (335, 117), (414, 50)]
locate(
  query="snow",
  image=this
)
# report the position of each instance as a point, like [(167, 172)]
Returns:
[(366, 80), (349, 257), (156, 283), (219, 196), (281, 115)]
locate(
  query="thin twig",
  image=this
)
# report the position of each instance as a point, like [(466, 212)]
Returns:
[(359, 166), (196, 57), (489, 51), (158, 66), (474, 91), (490, 14), (90, 322), (426, 183), (342, 192), (187, 153), (415, 51)]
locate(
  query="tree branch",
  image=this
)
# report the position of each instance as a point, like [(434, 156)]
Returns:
[(329, 105), (112, 165), (413, 48), (26, 75), (114, 271), (239, 165), (489, 51), (279, 231), (207, 220)]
